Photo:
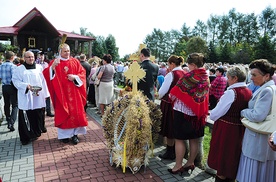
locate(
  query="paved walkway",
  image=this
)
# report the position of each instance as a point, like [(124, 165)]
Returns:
[(47, 159)]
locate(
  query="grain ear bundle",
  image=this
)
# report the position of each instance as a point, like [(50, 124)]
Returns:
[(63, 39), (131, 127)]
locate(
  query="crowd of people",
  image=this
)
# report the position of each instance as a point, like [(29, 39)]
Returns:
[(190, 91), (236, 152)]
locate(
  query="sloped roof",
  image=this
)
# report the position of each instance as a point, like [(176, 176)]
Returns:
[(7, 30), (34, 18), (33, 15), (73, 36)]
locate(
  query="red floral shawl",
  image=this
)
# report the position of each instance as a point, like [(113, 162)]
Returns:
[(192, 89)]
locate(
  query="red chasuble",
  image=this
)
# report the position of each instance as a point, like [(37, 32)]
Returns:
[(68, 99)]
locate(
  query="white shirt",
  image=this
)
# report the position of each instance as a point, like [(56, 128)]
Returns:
[(167, 83), (225, 101), (125, 68)]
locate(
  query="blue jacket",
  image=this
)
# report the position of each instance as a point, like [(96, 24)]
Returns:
[(255, 145)]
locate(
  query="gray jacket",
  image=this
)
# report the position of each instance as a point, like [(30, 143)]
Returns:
[(255, 145)]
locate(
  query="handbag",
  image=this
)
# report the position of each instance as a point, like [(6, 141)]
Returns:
[(268, 126), (95, 77), (97, 81)]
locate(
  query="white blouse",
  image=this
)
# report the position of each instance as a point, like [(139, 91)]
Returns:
[(167, 83), (225, 101)]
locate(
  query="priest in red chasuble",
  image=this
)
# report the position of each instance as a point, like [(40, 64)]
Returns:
[(66, 80)]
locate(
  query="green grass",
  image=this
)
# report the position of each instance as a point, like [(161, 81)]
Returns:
[(206, 143), (120, 86)]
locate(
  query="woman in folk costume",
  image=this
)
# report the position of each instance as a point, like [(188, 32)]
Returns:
[(174, 63), (31, 104), (66, 80), (228, 130), (190, 104), (258, 160)]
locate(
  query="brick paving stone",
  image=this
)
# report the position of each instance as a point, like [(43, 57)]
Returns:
[(6, 170), (26, 179), (16, 177), (48, 159)]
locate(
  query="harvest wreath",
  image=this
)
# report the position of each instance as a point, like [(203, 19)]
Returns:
[(131, 125)]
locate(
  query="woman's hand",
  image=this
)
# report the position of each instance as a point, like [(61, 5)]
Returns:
[(271, 143)]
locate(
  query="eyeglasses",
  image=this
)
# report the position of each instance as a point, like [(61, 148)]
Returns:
[(30, 57)]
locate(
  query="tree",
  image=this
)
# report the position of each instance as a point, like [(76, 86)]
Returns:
[(197, 44), (248, 29), (223, 35), (186, 33), (200, 30), (213, 28), (265, 49), (84, 45), (242, 53), (212, 54), (162, 43), (153, 41), (178, 43), (111, 48), (233, 18), (225, 53), (180, 48), (176, 36), (8, 47), (98, 47), (232, 38), (83, 31), (267, 22)]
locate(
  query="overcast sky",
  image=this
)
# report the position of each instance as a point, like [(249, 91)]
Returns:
[(129, 21)]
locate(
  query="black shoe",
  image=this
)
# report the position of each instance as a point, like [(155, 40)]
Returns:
[(75, 140), (50, 114), (217, 179), (169, 154), (65, 140), (25, 142), (44, 130), (33, 139), (11, 128)]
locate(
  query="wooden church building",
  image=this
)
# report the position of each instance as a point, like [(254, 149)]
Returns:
[(35, 32)]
